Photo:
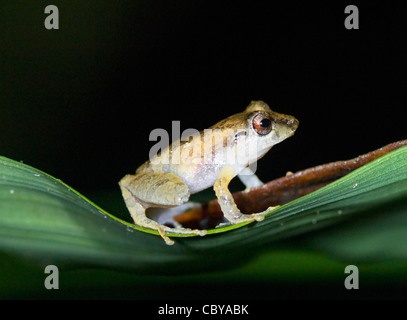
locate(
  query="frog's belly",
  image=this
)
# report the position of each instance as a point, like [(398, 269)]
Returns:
[(198, 178), (197, 175)]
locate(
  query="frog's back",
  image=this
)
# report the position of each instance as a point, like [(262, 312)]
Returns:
[(195, 170)]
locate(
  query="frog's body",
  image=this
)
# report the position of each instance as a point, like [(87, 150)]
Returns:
[(211, 158)]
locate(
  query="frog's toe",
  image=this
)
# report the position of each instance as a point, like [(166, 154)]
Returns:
[(186, 231), (223, 224), (167, 240), (202, 233)]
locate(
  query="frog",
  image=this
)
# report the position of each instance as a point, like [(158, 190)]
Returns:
[(209, 158)]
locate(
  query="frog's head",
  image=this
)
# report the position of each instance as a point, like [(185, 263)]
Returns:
[(267, 128), (251, 133)]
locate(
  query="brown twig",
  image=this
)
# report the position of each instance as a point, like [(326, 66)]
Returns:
[(284, 189)]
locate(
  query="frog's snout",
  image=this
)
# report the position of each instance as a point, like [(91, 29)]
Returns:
[(287, 123), (292, 123), (284, 127)]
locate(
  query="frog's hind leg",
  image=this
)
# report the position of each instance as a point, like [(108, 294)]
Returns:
[(155, 189), (138, 213)]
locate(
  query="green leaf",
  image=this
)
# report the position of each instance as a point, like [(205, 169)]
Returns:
[(44, 220)]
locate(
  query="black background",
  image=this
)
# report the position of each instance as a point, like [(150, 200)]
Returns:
[(80, 102)]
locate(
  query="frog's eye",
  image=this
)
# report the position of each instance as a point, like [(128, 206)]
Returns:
[(262, 124)]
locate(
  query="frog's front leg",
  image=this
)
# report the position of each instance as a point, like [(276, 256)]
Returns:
[(155, 189), (227, 203), (249, 179)]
